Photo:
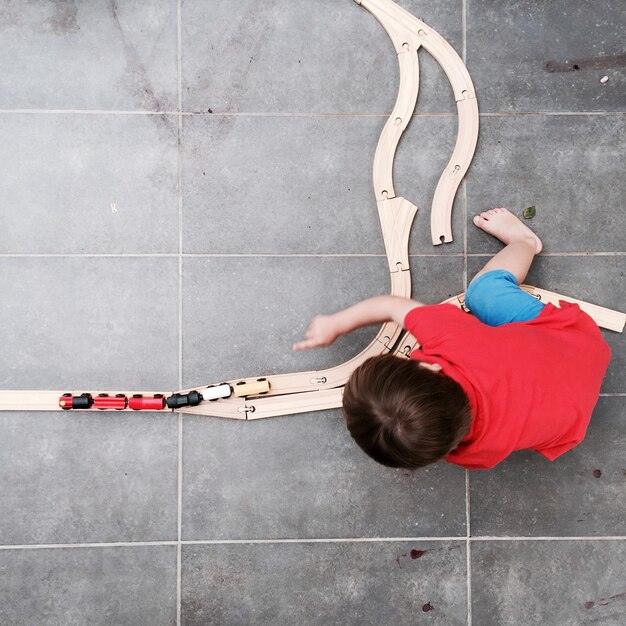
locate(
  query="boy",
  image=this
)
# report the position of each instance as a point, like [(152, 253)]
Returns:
[(517, 374)]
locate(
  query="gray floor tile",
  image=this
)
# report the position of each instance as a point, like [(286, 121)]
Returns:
[(582, 493), (74, 586), (512, 44), (292, 185), (92, 322), (325, 583), (595, 279), (77, 183), (88, 55), (568, 167), (548, 582), (299, 57), (242, 315), (304, 477), (87, 477)]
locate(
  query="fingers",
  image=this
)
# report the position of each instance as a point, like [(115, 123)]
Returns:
[(310, 340), (306, 345), (316, 336)]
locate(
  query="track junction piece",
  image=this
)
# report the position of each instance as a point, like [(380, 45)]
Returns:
[(323, 389)]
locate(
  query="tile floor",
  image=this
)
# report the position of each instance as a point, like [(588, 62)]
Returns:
[(184, 184)]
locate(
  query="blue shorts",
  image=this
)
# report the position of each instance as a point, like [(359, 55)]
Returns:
[(495, 298)]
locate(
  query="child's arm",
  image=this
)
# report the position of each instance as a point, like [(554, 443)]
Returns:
[(324, 329)]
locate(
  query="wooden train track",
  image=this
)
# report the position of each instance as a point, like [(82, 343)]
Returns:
[(298, 392)]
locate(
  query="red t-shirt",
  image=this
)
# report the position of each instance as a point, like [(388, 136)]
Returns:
[(531, 385)]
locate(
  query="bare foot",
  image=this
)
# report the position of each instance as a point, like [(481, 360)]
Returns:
[(501, 223)]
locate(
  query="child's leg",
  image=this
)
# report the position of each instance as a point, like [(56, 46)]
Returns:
[(494, 295), (521, 243)]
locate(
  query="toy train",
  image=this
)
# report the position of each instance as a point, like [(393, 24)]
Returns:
[(159, 402)]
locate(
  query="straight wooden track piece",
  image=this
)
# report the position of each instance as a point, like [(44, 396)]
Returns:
[(302, 402), (603, 317), (25, 400), (290, 404)]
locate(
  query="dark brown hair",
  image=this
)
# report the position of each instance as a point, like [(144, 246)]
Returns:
[(404, 415)]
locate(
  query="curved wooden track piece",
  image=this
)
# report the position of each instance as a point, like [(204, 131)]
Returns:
[(408, 34)]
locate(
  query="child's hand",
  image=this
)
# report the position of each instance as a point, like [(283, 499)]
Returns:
[(322, 332)]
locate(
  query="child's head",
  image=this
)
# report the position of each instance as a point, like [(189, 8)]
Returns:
[(403, 414)]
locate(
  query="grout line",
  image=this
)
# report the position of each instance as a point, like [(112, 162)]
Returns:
[(348, 114), (468, 549), (468, 570), (179, 520), (468, 581), (192, 255), (202, 255), (219, 542), (551, 113), (313, 114), (231, 114), (550, 254), (464, 29), (179, 56), (546, 538), (180, 269), (172, 255), (142, 544), (464, 211), (612, 395), (324, 255), (88, 112), (116, 544), (469, 585), (324, 540), (179, 448)]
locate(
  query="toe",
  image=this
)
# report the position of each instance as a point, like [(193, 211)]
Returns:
[(478, 220), (485, 215)]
